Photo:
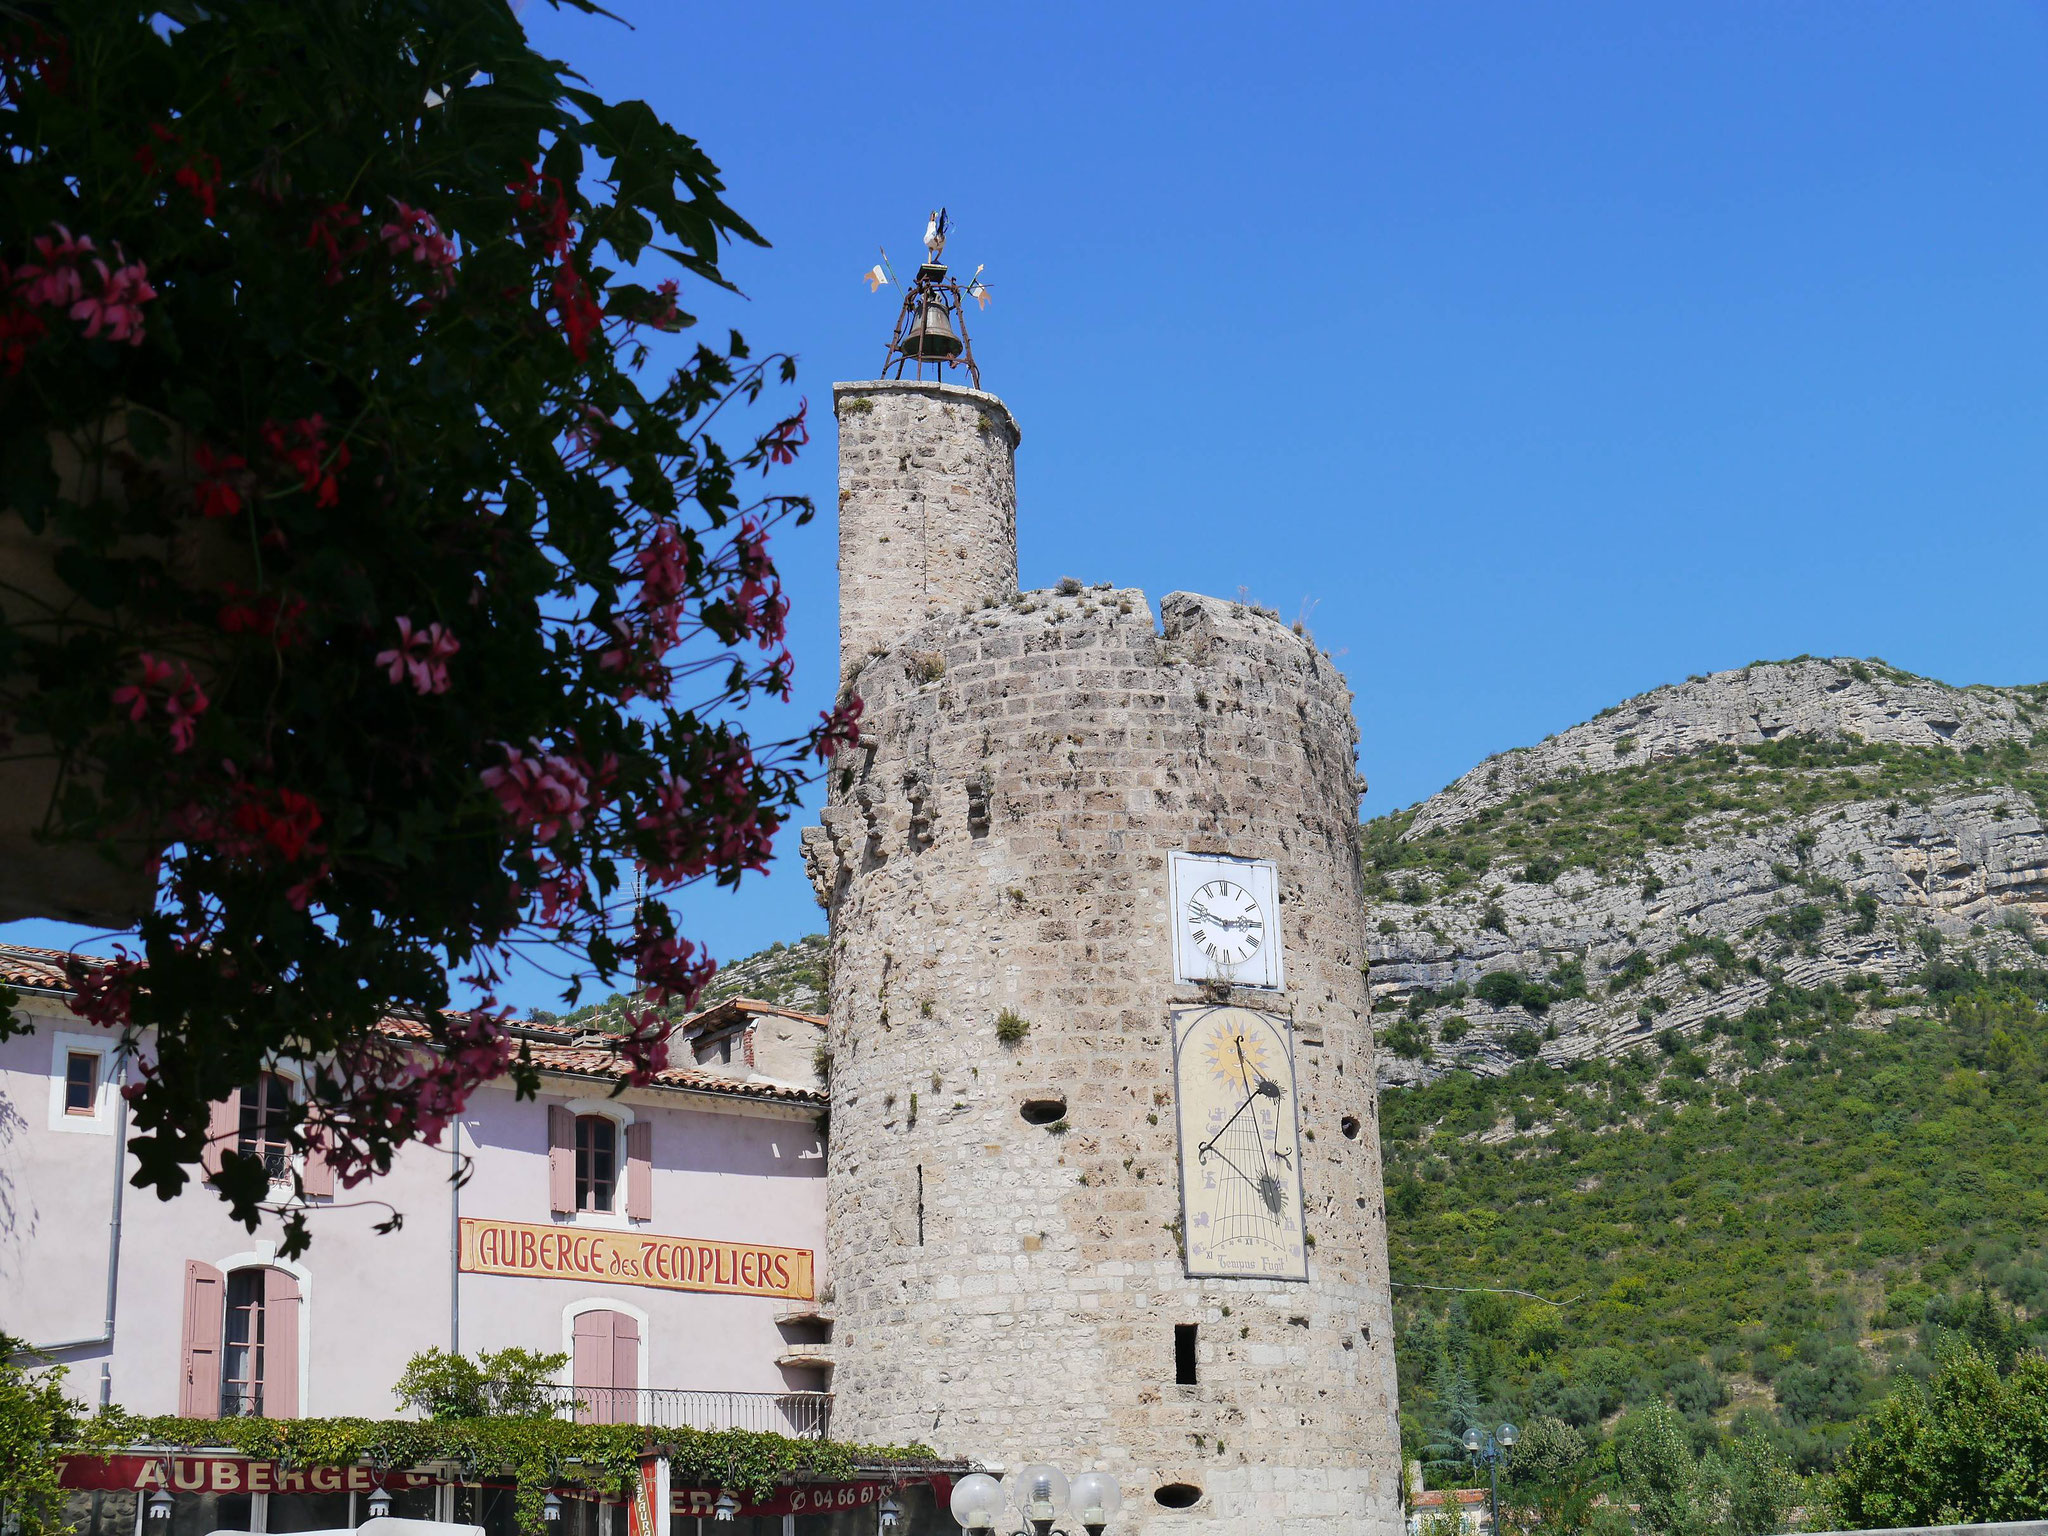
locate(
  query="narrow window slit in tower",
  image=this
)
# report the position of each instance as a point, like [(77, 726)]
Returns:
[(920, 1205), (1184, 1354)]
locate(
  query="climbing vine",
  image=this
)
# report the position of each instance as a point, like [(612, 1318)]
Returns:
[(536, 1453)]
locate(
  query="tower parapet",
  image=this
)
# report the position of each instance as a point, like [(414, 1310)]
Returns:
[(927, 508)]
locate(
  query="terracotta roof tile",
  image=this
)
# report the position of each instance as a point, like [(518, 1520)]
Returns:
[(24, 965)]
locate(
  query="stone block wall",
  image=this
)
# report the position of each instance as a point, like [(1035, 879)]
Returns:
[(927, 508), (997, 849)]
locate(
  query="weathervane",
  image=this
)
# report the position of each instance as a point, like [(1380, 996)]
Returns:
[(932, 325)]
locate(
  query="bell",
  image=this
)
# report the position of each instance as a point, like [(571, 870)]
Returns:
[(931, 335)]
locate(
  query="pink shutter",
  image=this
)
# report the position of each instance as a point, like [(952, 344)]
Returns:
[(318, 1177), (625, 1369), (591, 1367), (205, 1299), (223, 1127), (280, 1345), (561, 1160), (640, 1171)]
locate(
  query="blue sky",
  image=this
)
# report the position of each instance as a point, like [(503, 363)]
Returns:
[(1550, 352)]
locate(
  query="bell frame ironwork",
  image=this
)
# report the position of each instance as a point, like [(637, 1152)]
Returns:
[(931, 288)]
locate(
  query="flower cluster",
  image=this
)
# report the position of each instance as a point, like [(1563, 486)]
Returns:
[(68, 274), (217, 493), (421, 655), (670, 969), (170, 688), (644, 1044), (272, 615), (335, 233), (543, 794), (338, 470), (198, 171), (711, 820), (103, 993), (414, 233), (302, 446)]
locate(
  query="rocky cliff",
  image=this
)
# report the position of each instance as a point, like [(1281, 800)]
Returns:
[(1804, 824)]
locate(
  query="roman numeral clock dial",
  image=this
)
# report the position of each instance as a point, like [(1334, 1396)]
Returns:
[(1225, 917)]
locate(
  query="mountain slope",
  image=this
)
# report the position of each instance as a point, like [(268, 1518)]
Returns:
[(1719, 1019)]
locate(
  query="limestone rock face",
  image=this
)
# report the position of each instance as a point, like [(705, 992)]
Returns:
[(1901, 818), (994, 860)]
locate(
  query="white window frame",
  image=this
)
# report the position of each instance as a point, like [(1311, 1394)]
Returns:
[(614, 1220), (264, 1256), (63, 1043), (281, 1190), (576, 1309)]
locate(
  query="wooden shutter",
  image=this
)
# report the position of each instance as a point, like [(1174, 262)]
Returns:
[(591, 1367), (318, 1176), (223, 1127), (561, 1160), (205, 1299), (280, 1345), (625, 1365), (640, 1171)]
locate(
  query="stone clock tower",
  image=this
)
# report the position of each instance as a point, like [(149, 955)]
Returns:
[(1105, 1180)]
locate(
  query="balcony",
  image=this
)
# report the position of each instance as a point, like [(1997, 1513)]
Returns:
[(800, 1415)]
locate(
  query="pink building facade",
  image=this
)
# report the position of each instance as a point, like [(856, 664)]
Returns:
[(669, 1240)]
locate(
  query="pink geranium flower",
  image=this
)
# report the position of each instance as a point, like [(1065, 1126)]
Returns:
[(421, 654)]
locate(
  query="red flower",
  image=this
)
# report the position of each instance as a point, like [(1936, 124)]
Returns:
[(415, 232), (581, 318), (325, 236), (556, 229), (786, 436), (182, 699), (302, 446), (20, 330), (215, 495), (839, 731), (271, 615)]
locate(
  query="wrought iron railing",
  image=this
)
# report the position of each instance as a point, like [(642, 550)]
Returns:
[(802, 1415)]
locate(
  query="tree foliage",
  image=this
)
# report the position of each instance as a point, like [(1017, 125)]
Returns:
[(497, 1382), (37, 1421), (406, 607), (1969, 1446), (1767, 1225)]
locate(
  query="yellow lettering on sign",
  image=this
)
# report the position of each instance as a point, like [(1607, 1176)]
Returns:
[(633, 1258)]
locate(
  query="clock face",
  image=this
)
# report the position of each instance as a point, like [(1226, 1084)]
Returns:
[(1225, 920), (1240, 1179)]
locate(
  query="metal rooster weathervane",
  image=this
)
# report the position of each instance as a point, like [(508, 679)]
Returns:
[(931, 327)]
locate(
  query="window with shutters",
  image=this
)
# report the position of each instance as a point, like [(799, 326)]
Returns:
[(266, 1111), (241, 1365), (241, 1342), (597, 1162)]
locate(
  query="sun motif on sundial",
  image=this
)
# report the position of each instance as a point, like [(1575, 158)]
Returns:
[(1237, 1059)]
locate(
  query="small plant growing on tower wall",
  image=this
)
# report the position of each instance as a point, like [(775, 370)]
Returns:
[(1011, 1026)]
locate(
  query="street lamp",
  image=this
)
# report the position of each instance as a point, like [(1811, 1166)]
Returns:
[(551, 1508), (160, 1507), (726, 1507), (380, 1503), (1042, 1495), (1493, 1450)]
